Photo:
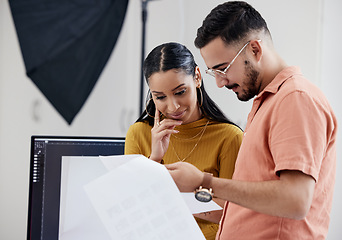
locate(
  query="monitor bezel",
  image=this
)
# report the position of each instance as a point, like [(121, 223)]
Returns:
[(55, 138)]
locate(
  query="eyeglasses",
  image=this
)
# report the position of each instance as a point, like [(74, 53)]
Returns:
[(220, 73)]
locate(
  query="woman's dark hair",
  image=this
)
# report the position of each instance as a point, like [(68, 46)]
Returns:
[(176, 56), (232, 21)]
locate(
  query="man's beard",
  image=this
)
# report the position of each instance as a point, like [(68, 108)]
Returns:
[(250, 83)]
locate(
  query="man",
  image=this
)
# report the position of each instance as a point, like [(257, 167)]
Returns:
[(283, 182)]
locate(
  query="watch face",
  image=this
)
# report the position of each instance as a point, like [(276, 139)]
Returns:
[(203, 196)]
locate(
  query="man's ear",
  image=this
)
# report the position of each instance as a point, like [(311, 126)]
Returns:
[(256, 48)]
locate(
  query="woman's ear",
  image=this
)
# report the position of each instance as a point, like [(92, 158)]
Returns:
[(198, 77)]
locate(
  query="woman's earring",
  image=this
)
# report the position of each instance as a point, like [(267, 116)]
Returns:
[(200, 104), (146, 108)]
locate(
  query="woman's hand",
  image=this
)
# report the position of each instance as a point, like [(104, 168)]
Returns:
[(161, 133)]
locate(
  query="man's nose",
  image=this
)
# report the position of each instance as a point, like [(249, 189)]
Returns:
[(221, 82)]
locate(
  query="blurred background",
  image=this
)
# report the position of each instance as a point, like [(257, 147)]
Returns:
[(305, 33)]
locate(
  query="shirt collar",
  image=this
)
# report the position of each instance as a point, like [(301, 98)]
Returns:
[(280, 78)]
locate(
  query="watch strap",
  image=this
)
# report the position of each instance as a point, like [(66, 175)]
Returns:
[(207, 179)]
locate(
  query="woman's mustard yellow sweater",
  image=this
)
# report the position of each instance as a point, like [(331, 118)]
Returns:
[(215, 152)]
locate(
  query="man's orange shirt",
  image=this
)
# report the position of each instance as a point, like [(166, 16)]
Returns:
[(291, 127)]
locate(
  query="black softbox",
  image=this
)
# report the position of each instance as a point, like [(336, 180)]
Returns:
[(66, 44)]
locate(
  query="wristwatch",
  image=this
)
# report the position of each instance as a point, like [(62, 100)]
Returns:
[(205, 193)]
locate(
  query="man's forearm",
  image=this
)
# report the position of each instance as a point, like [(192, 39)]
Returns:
[(290, 196)]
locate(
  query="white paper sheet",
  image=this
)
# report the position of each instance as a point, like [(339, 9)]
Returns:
[(196, 206), (131, 197), (78, 219)]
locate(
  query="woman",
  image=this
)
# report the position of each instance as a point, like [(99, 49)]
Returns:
[(182, 123)]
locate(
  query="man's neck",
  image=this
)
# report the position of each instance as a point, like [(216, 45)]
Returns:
[(273, 65)]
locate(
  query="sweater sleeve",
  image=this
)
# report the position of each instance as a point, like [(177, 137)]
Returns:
[(131, 143), (138, 139), (229, 153)]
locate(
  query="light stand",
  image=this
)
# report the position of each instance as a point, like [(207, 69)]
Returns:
[(144, 18)]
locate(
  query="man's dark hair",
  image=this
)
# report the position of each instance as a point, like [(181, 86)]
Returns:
[(232, 21)]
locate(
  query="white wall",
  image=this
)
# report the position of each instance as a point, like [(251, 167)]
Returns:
[(178, 20), (300, 34), (331, 85)]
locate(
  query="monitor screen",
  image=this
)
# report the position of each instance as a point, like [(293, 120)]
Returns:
[(47, 156)]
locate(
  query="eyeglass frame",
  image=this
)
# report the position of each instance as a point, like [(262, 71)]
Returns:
[(222, 73)]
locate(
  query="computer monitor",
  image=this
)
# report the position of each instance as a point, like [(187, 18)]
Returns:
[(46, 157)]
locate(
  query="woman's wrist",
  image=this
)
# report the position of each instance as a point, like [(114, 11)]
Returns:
[(158, 161)]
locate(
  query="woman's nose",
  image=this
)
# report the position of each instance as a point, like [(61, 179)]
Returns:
[(173, 105)]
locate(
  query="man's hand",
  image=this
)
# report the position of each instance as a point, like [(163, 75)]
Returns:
[(186, 176)]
